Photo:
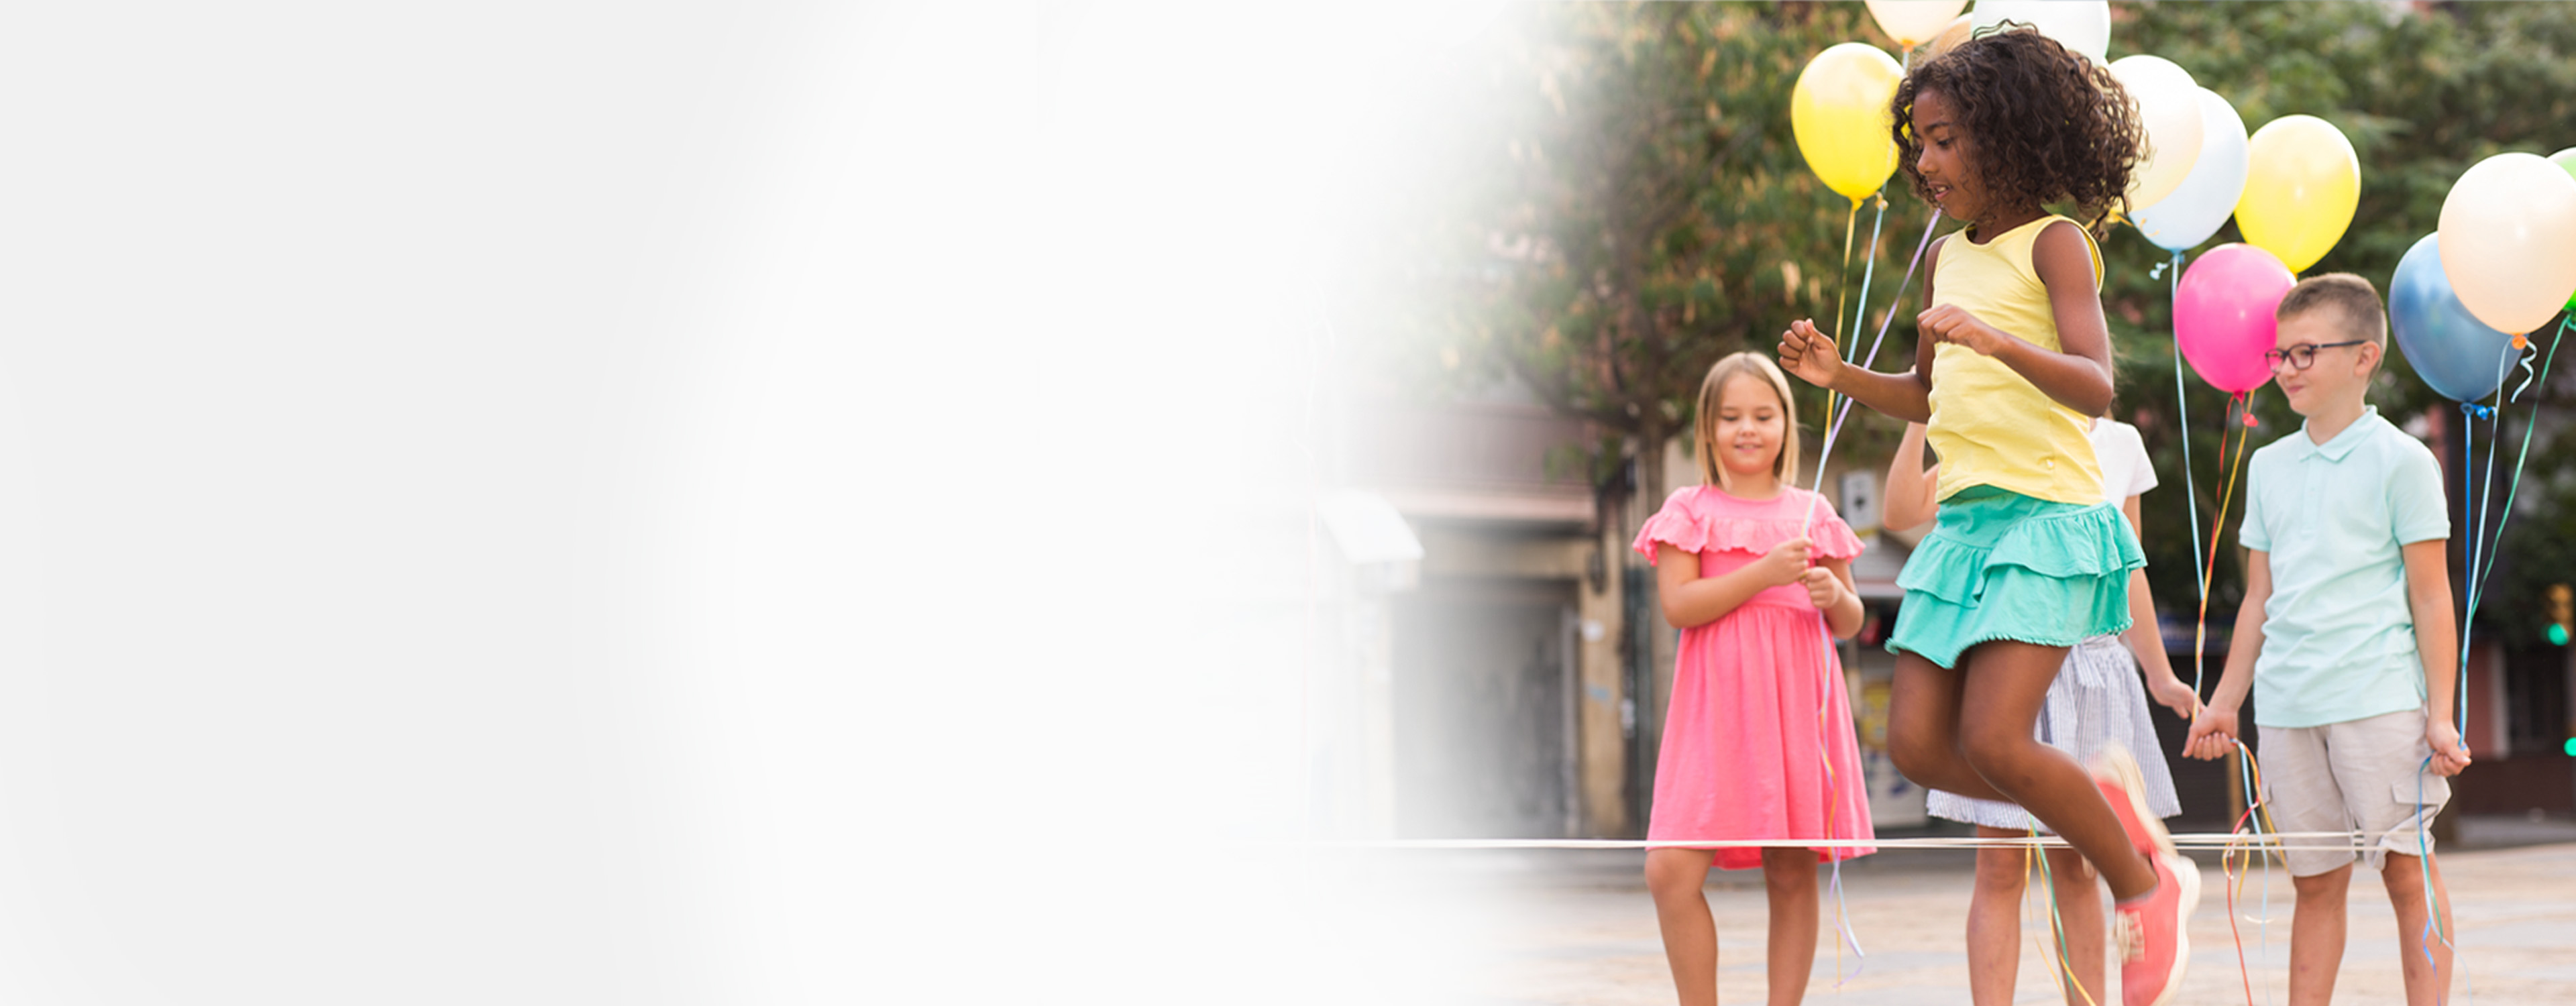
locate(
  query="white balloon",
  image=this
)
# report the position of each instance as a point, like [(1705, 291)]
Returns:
[(2082, 26), (1914, 22), (2169, 108), (2195, 209), (2504, 240)]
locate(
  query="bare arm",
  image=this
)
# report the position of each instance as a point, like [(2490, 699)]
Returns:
[(1691, 600), (2437, 643), (2078, 374), (1829, 587), (2216, 724), (1907, 501), (2147, 640), (1814, 358)]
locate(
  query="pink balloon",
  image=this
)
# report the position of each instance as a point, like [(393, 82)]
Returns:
[(2223, 315)]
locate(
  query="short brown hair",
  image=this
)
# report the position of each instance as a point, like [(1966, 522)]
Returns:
[(2354, 300)]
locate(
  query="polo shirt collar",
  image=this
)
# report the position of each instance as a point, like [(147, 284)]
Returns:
[(2343, 443)]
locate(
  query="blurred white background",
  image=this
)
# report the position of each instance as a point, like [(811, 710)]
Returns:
[(649, 503)]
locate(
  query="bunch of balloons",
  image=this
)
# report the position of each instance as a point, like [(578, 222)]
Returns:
[(2291, 186)]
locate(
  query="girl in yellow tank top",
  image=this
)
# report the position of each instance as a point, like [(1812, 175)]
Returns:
[(2012, 358)]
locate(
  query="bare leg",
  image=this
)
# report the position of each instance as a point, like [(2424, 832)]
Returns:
[(2006, 683), (2317, 933), (1789, 876), (1994, 921), (2427, 982), (1675, 877), (2079, 913), (1923, 728)]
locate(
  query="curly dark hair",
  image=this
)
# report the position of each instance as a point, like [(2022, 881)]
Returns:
[(2047, 125)]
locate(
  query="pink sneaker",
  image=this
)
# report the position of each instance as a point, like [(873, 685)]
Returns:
[(2153, 945), (2116, 773)]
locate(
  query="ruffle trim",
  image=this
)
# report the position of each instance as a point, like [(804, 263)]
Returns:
[(2076, 544), (1693, 533)]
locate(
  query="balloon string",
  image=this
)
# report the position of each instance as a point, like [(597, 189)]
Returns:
[(2057, 924), (1883, 323), (2200, 626), (1869, 266), (2255, 820), (1834, 430), (2513, 488), (1869, 272), (2190, 491)]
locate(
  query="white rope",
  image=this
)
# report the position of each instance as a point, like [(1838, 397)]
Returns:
[(2345, 841)]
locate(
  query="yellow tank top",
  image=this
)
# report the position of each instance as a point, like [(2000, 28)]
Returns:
[(1991, 426)]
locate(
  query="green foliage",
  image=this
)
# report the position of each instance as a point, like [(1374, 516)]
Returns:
[(1652, 212)]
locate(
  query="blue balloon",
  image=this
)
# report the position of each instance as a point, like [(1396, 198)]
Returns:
[(2451, 349)]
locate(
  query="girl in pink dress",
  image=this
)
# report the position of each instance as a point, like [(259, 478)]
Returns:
[(1758, 737)]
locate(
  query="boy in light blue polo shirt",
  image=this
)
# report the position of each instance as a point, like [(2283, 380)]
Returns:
[(2346, 636)]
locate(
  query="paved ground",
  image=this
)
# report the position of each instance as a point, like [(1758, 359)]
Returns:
[(1576, 927)]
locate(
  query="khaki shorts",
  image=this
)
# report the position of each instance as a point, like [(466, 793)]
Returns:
[(2365, 775)]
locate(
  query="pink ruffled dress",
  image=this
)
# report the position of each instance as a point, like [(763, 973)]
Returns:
[(1758, 710)]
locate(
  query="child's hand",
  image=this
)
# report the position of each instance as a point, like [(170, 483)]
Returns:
[(1823, 587), (1810, 354), (2212, 734), (1953, 324), (1785, 563), (2449, 755), (2171, 693)]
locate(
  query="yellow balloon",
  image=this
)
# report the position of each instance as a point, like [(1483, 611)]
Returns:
[(2302, 182), (1838, 110)]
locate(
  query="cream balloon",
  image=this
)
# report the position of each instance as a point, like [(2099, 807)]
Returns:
[(1914, 22), (2169, 108), (2082, 26), (2504, 240), (1950, 37)]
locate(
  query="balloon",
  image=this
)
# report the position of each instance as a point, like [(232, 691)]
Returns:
[(2505, 243), (1914, 22), (2223, 315), (2207, 196), (2169, 108), (2302, 182), (2451, 349), (2082, 26), (1838, 111), (2566, 159), (1951, 36)]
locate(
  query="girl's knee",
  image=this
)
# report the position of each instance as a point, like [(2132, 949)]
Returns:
[(1789, 870), (1676, 872), (2000, 756), (2001, 871)]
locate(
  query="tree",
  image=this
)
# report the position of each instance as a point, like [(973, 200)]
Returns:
[(1653, 214)]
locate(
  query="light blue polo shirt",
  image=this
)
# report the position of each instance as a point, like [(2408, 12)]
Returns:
[(2338, 639)]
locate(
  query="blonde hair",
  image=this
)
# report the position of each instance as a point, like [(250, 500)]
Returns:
[(1784, 466)]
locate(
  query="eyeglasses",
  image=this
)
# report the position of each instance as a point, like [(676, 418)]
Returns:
[(2303, 355)]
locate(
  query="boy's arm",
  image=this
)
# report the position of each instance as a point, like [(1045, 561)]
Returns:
[(2212, 730), (2437, 643)]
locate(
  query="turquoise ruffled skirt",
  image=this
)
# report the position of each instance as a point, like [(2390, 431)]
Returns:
[(2001, 565)]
